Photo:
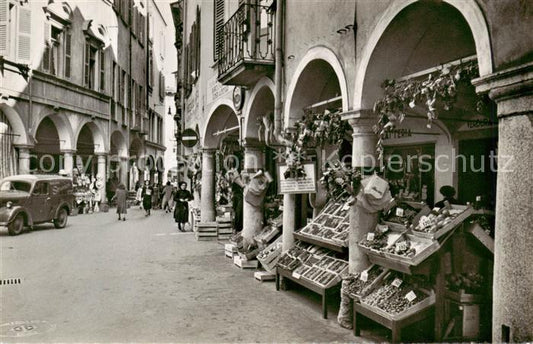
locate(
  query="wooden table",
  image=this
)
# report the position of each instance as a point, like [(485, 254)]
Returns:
[(324, 292)]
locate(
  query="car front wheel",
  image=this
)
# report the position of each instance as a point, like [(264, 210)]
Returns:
[(16, 226), (61, 220)]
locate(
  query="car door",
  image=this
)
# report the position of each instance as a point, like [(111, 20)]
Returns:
[(41, 201)]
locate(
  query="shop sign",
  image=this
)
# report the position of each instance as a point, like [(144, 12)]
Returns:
[(478, 123), (398, 133), (300, 185), (215, 90)]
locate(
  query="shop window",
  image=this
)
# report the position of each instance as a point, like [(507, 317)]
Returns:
[(410, 171)]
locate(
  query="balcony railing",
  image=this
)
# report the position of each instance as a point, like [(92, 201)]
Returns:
[(247, 44)]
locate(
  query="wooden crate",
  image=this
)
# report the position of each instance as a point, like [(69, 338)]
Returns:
[(265, 276), (366, 290), (430, 248), (466, 212), (427, 302), (244, 263)]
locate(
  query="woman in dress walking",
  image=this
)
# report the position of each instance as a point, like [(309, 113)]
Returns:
[(121, 198), (147, 197), (181, 211)]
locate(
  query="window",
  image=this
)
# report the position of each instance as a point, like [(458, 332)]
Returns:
[(68, 54), (15, 31), (41, 188), (150, 64), (51, 50), (5, 19), (161, 86), (102, 70), (218, 35)]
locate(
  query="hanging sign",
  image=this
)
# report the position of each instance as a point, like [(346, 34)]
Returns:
[(189, 138), (297, 185)]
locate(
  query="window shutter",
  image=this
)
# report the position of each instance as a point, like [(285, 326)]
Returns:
[(24, 36), (102, 70), (86, 69), (68, 53), (219, 24), (4, 26)]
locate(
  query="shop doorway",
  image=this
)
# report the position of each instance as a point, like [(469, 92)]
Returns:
[(477, 171)]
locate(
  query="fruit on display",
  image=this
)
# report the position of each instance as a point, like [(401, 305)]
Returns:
[(471, 283), (354, 285), (237, 239), (269, 250), (394, 295), (402, 247), (381, 239), (399, 302), (402, 213), (435, 220)]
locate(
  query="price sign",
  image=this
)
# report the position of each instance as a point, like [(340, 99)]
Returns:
[(364, 276), (296, 275), (370, 236), (397, 282), (410, 296), (400, 212)]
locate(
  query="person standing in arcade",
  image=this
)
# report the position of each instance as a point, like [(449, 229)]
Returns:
[(181, 210)]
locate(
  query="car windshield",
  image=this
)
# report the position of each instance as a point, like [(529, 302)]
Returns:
[(15, 185)]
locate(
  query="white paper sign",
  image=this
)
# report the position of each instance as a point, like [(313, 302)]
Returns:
[(370, 236), (296, 275), (400, 212), (410, 296), (364, 276), (397, 282)]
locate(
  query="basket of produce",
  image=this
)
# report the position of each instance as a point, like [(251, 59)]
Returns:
[(395, 299), (359, 284), (466, 287), (439, 222)]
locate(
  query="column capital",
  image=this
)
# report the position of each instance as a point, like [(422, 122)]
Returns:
[(511, 89), (361, 121), (68, 151), (209, 150), (23, 147)]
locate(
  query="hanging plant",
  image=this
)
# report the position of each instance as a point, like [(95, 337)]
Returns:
[(313, 130), (340, 180), (438, 91)]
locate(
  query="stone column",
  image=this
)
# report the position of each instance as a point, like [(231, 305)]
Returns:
[(68, 161), (102, 174), (24, 160), (363, 157), (124, 169), (289, 221), (512, 90), (207, 199), (252, 216)]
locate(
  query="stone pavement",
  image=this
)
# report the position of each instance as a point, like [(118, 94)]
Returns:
[(100, 280)]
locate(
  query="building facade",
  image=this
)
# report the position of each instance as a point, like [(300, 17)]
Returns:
[(76, 89), (250, 67)]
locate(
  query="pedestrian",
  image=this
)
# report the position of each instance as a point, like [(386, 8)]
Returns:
[(181, 210), (120, 198), (139, 197), (237, 188), (147, 192), (167, 194)]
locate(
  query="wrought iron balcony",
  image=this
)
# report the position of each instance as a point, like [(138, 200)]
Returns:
[(246, 50)]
